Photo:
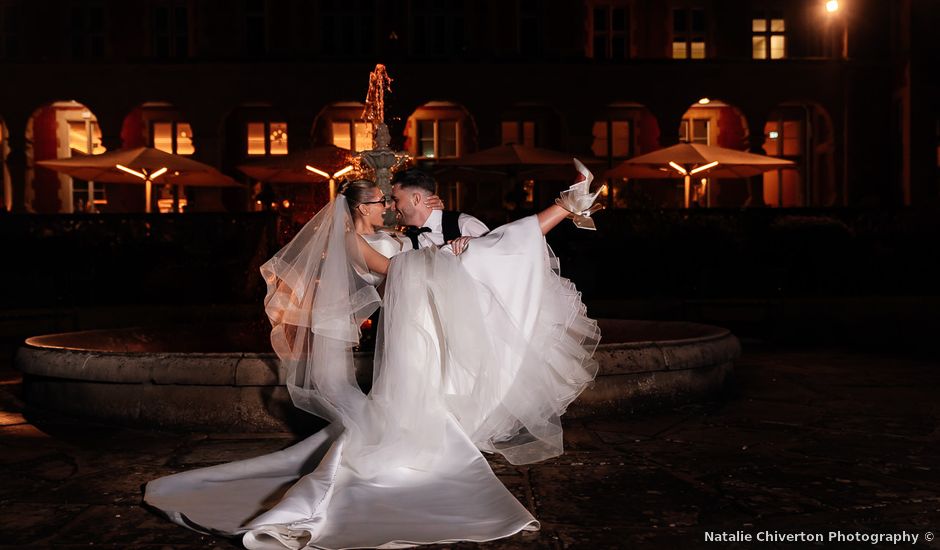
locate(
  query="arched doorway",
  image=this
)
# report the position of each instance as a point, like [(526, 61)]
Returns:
[(717, 123), (160, 125), (620, 131), (439, 129), (60, 130), (252, 132), (801, 132)]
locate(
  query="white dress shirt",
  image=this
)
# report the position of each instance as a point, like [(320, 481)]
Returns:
[(468, 225)]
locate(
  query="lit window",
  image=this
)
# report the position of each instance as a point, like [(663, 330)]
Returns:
[(352, 135), (426, 138), (688, 33), (256, 138), (520, 132), (267, 138), (438, 138), (78, 137), (611, 31), (611, 139), (694, 130), (768, 36), (173, 137)]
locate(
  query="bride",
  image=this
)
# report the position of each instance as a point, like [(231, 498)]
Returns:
[(481, 346)]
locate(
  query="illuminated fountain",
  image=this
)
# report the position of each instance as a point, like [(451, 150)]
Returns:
[(225, 377), (378, 163)]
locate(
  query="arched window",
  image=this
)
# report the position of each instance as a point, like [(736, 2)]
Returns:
[(440, 129)]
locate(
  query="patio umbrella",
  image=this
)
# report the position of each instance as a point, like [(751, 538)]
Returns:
[(291, 168), (514, 161), (141, 165), (324, 163), (688, 159)]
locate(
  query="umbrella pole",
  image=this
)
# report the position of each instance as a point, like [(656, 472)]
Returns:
[(177, 191), (147, 190), (688, 184)]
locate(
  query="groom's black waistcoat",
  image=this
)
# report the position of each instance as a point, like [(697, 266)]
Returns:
[(449, 226)]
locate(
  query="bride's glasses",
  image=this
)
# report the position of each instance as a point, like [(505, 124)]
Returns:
[(385, 200)]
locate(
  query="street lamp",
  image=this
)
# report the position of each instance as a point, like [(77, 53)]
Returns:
[(148, 178), (329, 177), (833, 7)]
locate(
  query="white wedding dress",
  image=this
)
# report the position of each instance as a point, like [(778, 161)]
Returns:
[(482, 351)]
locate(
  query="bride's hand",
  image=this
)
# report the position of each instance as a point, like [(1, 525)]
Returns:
[(460, 244), (434, 202)]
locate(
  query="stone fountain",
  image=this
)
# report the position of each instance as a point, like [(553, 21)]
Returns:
[(379, 162)]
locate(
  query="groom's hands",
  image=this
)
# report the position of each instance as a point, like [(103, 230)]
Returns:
[(460, 244)]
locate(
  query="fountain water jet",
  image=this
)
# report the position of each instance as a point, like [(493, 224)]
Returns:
[(380, 161)]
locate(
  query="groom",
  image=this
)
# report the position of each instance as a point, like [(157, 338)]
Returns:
[(424, 226)]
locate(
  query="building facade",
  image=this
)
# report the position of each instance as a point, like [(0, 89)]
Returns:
[(847, 89)]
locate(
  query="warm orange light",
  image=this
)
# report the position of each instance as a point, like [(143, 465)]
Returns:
[(318, 171), (129, 171), (343, 171), (704, 167), (158, 173), (366, 325), (285, 203), (832, 6), (704, 101), (678, 168)]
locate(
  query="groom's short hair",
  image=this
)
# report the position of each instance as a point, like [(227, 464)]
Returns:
[(415, 179)]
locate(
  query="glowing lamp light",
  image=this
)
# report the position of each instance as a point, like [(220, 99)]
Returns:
[(678, 168), (773, 135), (318, 171), (285, 203), (832, 6), (148, 179), (123, 168), (704, 167), (704, 101), (332, 178)]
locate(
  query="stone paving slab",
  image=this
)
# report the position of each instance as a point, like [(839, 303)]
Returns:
[(808, 440)]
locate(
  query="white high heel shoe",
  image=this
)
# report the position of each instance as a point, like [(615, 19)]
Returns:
[(578, 199)]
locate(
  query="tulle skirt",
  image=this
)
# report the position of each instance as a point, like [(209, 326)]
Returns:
[(482, 351)]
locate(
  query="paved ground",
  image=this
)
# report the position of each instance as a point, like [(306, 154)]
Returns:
[(811, 441)]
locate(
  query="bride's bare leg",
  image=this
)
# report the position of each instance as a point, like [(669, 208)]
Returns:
[(550, 217)]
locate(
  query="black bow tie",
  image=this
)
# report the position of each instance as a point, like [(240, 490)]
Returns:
[(412, 233)]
